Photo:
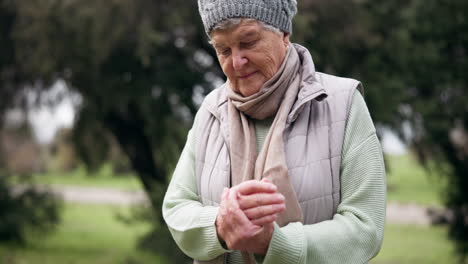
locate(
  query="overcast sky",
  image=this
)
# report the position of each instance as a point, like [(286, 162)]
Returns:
[(46, 120)]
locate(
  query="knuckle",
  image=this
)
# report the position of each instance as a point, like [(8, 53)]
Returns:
[(242, 202), (280, 207), (249, 214), (222, 213), (272, 218), (266, 219), (261, 210), (230, 244), (257, 199), (270, 209)]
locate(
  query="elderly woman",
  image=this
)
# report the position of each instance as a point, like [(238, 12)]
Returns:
[(282, 164)]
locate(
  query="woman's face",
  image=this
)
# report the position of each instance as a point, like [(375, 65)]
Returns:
[(249, 55)]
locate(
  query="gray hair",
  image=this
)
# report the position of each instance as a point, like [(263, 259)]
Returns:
[(231, 23)]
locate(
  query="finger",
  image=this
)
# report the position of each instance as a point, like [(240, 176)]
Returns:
[(254, 186), (257, 230), (262, 211), (234, 226), (237, 217), (224, 193), (269, 219), (259, 199), (235, 213), (222, 205), (232, 195)]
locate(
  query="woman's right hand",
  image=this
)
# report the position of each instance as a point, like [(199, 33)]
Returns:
[(246, 215)]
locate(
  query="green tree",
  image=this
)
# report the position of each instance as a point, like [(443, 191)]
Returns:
[(133, 62), (437, 63), (137, 66), (24, 209)]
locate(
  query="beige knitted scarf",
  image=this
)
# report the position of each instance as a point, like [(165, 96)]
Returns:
[(275, 98)]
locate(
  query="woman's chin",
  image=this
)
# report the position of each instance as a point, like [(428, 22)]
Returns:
[(250, 88), (248, 91)]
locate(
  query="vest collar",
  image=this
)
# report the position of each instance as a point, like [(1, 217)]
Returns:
[(311, 88)]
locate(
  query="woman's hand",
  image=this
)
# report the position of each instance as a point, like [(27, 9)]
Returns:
[(261, 203), (246, 216)]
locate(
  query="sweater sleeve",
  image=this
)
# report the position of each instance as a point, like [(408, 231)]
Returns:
[(192, 225), (355, 233)]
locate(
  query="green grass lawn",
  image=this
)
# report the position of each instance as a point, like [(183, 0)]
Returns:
[(104, 177), (409, 244), (87, 234), (91, 234), (408, 182)]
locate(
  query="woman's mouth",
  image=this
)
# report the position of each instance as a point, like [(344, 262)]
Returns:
[(245, 76)]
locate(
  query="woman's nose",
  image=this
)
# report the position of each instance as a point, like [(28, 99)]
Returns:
[(238, 60)]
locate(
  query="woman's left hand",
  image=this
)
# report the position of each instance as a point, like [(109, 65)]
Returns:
[(259, 206)]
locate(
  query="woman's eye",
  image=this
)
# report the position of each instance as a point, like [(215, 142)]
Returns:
[(248, 44), (225, 52)]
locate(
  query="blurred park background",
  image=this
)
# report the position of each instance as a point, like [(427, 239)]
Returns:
[(96, 98)]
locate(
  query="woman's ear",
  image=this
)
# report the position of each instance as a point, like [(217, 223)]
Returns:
[(286, 40)]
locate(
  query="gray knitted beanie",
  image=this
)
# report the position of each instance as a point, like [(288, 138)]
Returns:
[(278, 13)]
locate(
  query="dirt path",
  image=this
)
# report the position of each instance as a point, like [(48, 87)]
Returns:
[(407, 214), (396, 213), (96, 195)]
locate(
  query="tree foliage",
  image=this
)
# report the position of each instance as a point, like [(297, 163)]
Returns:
[(25, 210), (136, 65), (133, 62), (437, 107)]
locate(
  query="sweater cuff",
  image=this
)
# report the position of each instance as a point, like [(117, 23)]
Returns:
[(287, 245), (208, 219)]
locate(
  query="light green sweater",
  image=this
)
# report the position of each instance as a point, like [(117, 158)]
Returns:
[(354, 235)]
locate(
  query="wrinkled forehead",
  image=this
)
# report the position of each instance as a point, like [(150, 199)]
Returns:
[(242, 31), (231, 24)]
